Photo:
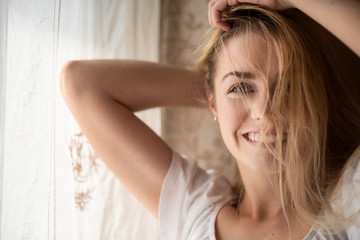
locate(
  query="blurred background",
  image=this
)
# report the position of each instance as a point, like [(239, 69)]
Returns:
[(52, 185)]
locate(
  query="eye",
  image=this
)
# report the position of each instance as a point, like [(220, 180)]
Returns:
[(243, 88)]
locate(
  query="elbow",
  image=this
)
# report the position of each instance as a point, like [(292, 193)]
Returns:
[(71, 78)]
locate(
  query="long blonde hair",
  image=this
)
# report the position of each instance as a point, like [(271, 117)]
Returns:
[(313, 102)]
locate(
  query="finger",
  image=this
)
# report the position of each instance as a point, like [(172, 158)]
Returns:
[(215, 11), (216, 15), (218, 23), (234, 2), (223, 26), (210, 5), (212, 20)]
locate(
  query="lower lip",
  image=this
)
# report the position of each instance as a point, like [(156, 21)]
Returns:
[(253, 143)]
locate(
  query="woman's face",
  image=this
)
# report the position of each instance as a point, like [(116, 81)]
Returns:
[(240, 100)]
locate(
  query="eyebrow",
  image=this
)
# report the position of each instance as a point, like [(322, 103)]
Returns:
[(242, 75)]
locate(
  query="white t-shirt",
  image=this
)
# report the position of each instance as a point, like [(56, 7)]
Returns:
[(191, 199)]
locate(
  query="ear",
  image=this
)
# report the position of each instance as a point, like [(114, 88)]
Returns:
[(212, 103)]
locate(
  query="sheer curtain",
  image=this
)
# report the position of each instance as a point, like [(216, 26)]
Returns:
[(3, 27), (54, 186)]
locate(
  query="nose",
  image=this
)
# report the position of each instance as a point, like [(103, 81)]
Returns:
[(258, 108)]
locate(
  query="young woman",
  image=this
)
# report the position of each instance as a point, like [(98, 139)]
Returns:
[(286, 113)]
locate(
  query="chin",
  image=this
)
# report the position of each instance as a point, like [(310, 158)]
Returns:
[(257, 159)]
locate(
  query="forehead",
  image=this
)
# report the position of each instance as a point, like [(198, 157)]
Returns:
[(250, 54)]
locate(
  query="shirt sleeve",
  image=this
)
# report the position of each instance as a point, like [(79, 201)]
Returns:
[(190, 200), (348, 203), (351, 198)]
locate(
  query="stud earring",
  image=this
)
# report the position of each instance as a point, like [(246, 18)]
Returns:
[(215, 118)]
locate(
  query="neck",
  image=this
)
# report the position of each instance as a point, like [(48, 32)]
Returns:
[(261, 199)]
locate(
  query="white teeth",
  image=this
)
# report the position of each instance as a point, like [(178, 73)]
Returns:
[(253, 137), (256, 137)]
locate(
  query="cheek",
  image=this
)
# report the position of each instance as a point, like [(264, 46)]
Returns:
[(231, 114)]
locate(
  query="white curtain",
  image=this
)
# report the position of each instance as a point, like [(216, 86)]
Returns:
[(3, 27), (54, 187)]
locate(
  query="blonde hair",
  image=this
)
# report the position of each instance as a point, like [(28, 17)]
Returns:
[(312, 102)]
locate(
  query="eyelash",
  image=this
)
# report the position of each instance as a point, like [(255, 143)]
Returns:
[(243, 88)]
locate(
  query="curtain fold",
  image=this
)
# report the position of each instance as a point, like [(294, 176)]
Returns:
[(3, 37), (54, 185)]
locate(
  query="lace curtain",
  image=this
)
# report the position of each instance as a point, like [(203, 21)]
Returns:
[(54, 186)]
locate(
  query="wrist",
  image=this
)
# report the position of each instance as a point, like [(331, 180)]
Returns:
[(286, 4)]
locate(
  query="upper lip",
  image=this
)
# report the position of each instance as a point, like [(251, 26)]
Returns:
[(272, 132)]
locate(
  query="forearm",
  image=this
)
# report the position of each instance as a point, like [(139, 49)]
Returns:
[(136, 85), (340, 17)]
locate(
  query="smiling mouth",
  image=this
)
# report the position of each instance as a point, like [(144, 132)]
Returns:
[(257, 137)]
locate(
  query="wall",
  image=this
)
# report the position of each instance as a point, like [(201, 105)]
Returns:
[(191, 131)]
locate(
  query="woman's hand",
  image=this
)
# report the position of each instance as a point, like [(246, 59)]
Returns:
[(217, 6), (340, 17)]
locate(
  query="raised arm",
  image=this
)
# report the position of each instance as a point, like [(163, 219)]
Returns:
[(103, 94), (340, 17)]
